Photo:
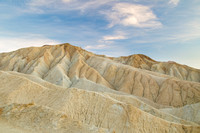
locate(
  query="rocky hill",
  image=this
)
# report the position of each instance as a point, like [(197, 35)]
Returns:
[(63, 88)]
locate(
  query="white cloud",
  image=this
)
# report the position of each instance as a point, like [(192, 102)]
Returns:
[(67, 1), (174, 2), (91, 47), (184, 33), (58, 5), (125, 14), (37, 3), (43, 6), (108, 50), (51, 3), (10, 44), (132, 15), (92, 4), (116, 37)]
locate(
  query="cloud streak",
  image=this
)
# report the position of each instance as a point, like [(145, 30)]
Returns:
[(174, 2), (61, 5), (116, 37), (95, 47), (136, 15)]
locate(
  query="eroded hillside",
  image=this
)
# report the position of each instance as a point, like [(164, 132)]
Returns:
[(95, 93)]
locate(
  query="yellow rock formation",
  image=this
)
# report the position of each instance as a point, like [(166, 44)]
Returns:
[(64, 88)]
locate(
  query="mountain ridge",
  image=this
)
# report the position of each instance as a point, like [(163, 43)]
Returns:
[(69, 63), (136, 60), (95, 90)]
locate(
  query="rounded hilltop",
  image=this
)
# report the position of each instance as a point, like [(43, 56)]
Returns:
[(84, 92)]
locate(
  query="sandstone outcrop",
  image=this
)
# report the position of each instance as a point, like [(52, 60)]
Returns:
[(170, 68), (64, 88)]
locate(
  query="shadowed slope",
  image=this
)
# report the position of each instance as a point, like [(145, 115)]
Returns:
[(65, 64), (35, 107), (64, 88), (171, 68)]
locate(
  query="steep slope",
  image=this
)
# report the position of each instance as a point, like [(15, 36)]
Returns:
[(66, 65), (188, 112), (78, 91), (156, 87), (171, 68), (58, 109)]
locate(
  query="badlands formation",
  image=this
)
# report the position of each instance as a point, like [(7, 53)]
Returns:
[(65, 89)]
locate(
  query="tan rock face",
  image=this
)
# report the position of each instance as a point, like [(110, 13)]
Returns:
[(171, 68), (68, 89)]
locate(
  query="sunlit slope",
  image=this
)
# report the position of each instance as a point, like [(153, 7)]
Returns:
[(67, 66), (29, 104), (63, 88)]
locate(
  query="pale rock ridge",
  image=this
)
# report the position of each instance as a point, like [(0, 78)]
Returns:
[(164, 90), (61, 109), (42, 95), (77, 91), (188, 112), (171, 68), (65, 64)]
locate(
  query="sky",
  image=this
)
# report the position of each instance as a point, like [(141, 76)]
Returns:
[(165, 30)]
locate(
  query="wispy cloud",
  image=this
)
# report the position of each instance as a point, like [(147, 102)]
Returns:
[(95, 47), (9, 44), (127, 14), (92, 4), (38, 3), (61, 5), (118, 13), (115, 37), (174, 2), (107, 49), (181, 34)]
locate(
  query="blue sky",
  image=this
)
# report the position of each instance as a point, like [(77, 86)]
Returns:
[(161, 29)]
